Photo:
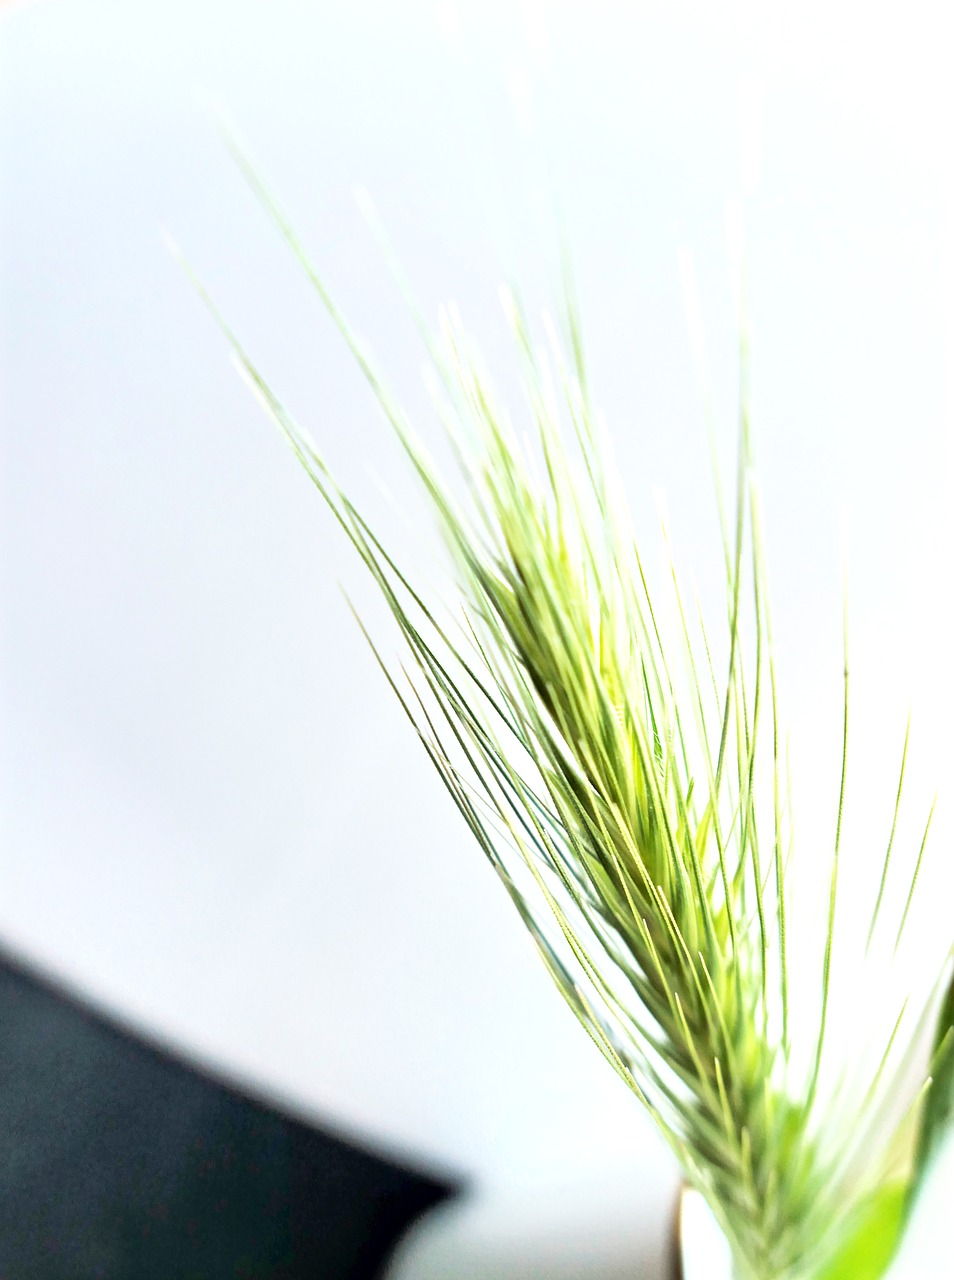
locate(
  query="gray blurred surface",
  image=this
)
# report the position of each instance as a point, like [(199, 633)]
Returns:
[(118, 1161)]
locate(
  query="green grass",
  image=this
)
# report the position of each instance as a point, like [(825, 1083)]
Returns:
[(630, 791)]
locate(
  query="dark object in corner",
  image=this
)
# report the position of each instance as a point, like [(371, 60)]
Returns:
[(118, 1162)]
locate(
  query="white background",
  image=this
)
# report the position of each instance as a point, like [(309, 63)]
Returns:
[(215, 821)]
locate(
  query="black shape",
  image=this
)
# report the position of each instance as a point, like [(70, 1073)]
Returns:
[(119, 1162)]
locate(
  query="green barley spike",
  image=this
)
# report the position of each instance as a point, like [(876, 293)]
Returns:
[(612, 778)]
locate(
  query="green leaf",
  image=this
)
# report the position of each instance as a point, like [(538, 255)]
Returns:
[(938, 1116), (873, 1237)]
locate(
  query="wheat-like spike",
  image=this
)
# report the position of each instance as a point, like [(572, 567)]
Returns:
[(560, 718)]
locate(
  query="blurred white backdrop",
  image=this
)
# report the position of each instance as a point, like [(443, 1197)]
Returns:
[(215, 820)]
